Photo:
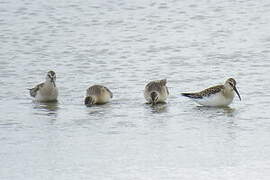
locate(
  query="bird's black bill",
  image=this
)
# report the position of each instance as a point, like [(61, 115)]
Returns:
[(52, 80), (53, 83), (154, 97), (234, 88)]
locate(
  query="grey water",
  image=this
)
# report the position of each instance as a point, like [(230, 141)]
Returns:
[(123, 44)]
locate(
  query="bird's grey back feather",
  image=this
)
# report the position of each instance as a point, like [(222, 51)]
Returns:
[(157, 85), (97, 90)]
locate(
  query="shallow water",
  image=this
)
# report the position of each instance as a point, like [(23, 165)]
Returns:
[(124, 44)]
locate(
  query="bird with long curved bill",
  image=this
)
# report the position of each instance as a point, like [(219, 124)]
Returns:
[(220, 95)]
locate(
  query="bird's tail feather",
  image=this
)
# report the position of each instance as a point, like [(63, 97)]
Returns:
[(191, 95)]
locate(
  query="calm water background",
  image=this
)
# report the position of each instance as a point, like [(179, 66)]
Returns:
[(123, 44)]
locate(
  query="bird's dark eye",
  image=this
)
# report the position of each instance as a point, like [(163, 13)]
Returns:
[(231, 84)]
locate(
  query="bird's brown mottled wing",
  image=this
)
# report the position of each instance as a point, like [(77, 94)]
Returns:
[(154, 86), (211, 90), (163, 82), (204, 93), (94, 90)]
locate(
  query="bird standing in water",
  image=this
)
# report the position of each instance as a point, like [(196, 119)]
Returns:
[(220, 95), (156, 91), (46, 91), (97, 94)]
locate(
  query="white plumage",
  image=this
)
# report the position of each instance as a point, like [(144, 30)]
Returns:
[(46, 91)]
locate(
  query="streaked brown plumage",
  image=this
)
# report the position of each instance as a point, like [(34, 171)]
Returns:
[(220, 95), (156, 91), (97, 94), (97, 90), (206, 92)]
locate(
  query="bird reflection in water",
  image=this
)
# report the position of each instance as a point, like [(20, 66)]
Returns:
[(50, 108), (223, 110), (159, 108)]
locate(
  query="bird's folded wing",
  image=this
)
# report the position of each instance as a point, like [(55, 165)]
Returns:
[(33, 91)]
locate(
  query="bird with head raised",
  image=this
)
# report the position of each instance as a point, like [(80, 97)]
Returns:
[(220, 95), (46, 91), (97, 94), (156, 91)]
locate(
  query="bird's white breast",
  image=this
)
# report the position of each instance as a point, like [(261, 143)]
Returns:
[(47, 93), (217, 99)]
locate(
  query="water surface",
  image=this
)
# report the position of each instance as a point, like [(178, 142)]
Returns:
[(124, 44)]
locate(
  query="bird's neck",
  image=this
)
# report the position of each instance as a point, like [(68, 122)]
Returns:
[(94, 99), (50, 83), (228, 92)]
